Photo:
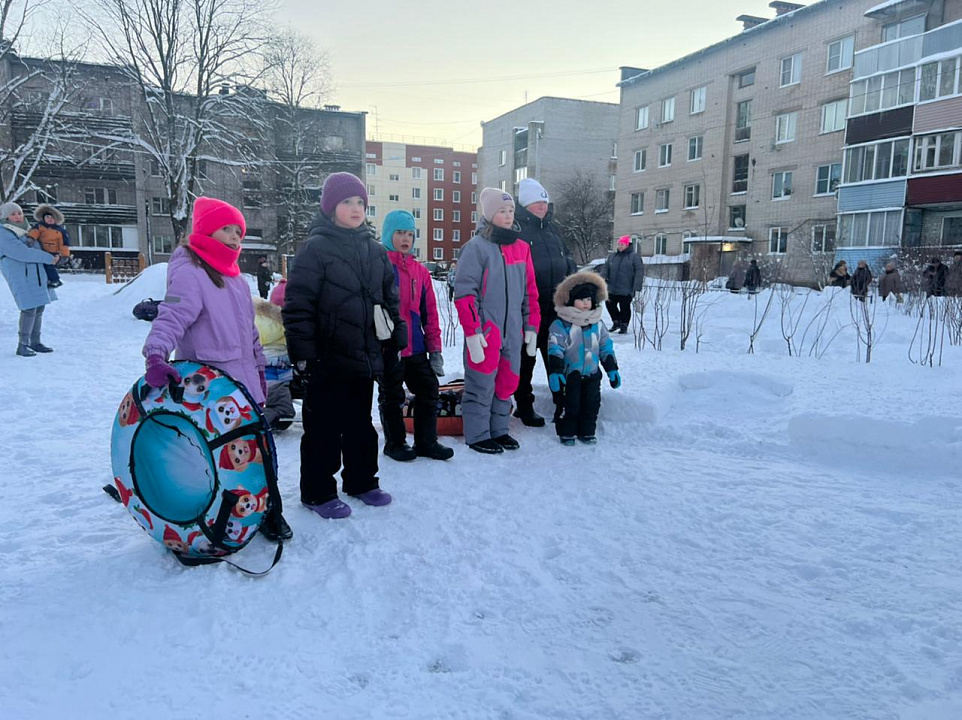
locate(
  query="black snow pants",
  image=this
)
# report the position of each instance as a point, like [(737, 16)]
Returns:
[(578, 410), (415, 372)]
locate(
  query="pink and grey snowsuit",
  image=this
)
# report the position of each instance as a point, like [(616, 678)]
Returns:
[(495, 294)]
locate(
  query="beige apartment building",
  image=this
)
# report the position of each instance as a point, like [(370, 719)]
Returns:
[(737, 148)]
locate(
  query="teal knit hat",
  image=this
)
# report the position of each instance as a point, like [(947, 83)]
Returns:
[(395, 220)]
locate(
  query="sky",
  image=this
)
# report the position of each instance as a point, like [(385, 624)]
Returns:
[(431, 71)]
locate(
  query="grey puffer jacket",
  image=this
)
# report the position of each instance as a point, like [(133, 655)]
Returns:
[(625, 272)]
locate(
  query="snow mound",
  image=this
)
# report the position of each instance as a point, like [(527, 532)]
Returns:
[(151, 283), (735, 382)]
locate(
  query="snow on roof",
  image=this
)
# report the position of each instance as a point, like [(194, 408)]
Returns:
[(886, 5)]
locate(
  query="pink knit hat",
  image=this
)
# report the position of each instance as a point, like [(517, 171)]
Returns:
[(624, 240), (211, 215)]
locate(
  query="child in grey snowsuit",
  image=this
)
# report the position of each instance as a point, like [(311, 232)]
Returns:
[(497, 302), (578, 348)]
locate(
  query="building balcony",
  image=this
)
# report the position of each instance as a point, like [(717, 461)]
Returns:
[(936, 191), (907, 52)]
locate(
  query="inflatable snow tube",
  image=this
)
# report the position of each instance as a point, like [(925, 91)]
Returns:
[(194, 462)]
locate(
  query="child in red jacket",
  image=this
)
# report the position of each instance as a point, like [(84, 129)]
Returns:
[(420, 363)]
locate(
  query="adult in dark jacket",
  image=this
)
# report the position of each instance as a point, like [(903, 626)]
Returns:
[(953, 278), (890, 283), (839, 276), (934, 278), (264, 277), (753, 277), (625, 274), (736, 277), (861, 280), (339, 280), (552, 263)]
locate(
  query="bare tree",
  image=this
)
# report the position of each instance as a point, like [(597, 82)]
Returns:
[(193, 64), (584, 212), (297, 79), (34, 97)]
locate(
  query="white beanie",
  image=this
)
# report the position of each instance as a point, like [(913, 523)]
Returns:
[(530, 191)]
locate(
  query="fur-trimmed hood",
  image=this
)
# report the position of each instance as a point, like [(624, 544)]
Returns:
[(563, 291), (45, 209), (268, 310)]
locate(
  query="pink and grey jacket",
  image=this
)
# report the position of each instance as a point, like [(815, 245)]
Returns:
[(208, 324), (419, 307)]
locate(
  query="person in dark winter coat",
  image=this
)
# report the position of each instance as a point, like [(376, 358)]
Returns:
[(934, 277), (953, 278), (421, 362), (625, 274), (890, 283), (341, 291), (264, 277), (552, 263), (736, 278), (21, 267), (861, 280), (753, 277), (839, 276), (579, 348)]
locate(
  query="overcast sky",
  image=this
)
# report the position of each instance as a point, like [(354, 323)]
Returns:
[(434, 69)]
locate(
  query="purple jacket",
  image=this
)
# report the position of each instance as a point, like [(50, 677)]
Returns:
[(208, 324)]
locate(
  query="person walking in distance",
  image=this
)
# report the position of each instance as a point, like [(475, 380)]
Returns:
[(625, 274), (552, 263)]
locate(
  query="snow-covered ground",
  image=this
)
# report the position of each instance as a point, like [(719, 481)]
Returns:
[(755, 536)]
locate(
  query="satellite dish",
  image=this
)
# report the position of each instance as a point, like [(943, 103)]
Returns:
[(739, 223)]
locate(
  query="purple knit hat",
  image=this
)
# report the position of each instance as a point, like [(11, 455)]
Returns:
[(340, 186)]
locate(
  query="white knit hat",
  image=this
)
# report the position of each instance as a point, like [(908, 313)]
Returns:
[(530, 191)]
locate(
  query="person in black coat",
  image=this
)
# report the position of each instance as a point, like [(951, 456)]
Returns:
[(264, 277), (861, 280), (934, 278), (753, 277), (839, 276), (340, 287), (552, 263), (625, 274)]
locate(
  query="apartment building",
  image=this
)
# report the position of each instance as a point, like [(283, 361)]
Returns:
[(737, 148), (550, 139), (437, 185), (115, 200), (901, 187)]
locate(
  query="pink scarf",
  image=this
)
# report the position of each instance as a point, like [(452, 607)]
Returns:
[(216, 254)]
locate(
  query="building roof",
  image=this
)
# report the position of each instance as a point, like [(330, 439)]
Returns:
[(892, 7), (549, 97), (770, 24)]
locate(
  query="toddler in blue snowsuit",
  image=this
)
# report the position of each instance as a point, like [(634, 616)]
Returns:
[(579, 347)]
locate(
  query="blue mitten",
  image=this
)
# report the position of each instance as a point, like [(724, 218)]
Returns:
[(555, 381), (614, 377)]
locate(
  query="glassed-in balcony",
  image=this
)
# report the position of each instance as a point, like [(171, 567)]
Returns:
[(908, 51)]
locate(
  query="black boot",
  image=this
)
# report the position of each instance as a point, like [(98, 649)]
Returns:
[(274, 527), (402, 452), (623, 328), (487, 447), (40, 348), (434, 450), (25, 351), (527, 415), (507, 442)]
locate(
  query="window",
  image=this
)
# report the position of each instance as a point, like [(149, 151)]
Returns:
[(474, 198), (394, 198), (370, 169), (370, 156), (474, 217), (101, 236), (417, 233), (503, 185), (456, 163), (740, 174), (371, 211), (743, 120), (159, 206), (100, 196), (252, 193), (641, 161), (438, 214), (502, 158), (164, 244), (823, 238), (202, 169), (668, 110), (439, 161), (456, 236), (417, 173), (474, 178), (782, 185), (939, 79), (952, 231), (439, 174), (662, 198), (439, 253), (638, 203), (439, 193), (46, 194), (785, 125), (881, 92), (791, 70), (840, 54), (612, 180), (371, 191), (457, 177), (746, 78), (695, 146), (456, 196), (438, 235), (416, 193), (877, 161), (870, 229), (692, 196), (827, 178), (698, 98), (100, 105), (736, 217), (903, 28), (778, 240), (155, 169), (641, 118), (934, 152), (833, 115), (416, 212), (520, 174), (394, 177), (456, 216), (664, 155), (661, 244)]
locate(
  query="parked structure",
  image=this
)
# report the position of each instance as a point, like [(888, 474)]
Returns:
[(436, 184)]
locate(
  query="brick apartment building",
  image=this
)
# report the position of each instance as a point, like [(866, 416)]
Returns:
[(436, 184)]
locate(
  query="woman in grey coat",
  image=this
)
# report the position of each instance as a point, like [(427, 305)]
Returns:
[(625, 274), (22, 269)]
